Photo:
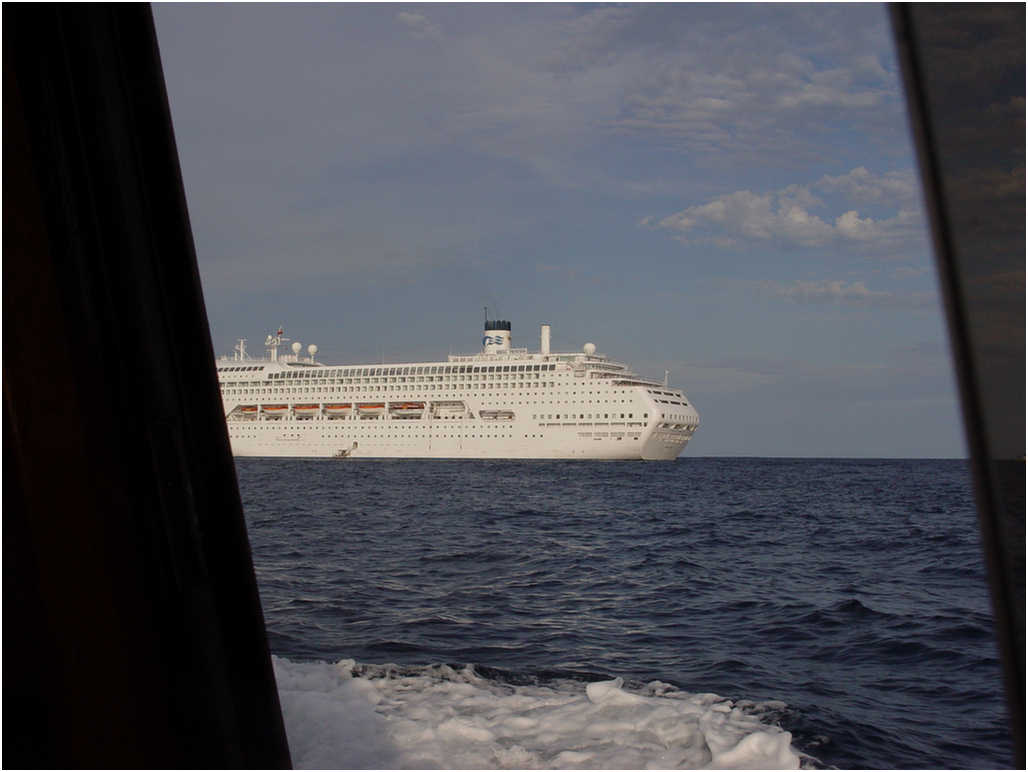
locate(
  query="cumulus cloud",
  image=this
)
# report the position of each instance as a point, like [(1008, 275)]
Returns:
[(785, 215), (754, 217), (838, 291)]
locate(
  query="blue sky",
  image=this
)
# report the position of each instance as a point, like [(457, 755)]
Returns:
[(728, 192)]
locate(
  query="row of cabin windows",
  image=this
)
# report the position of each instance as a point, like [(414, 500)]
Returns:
[(379, 387), (375, 372), (378, 380), (462, 381), (584, 415)]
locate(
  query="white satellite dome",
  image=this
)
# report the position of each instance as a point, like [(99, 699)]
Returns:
[(589, 348), (312, 349), (296, 347)]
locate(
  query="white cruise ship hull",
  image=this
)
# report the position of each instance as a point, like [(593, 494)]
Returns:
[(322, 439)]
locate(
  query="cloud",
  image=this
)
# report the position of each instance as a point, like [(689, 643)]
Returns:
[(711, 82), (924, 366), (784, 216), (895, 187), (419, 25), (840, 292), (754, 217), (305, 130)]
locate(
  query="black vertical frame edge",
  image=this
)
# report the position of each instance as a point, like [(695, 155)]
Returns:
[(987, 486), (99, 150)]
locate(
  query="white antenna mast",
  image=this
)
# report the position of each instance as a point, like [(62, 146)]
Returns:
[(273, 342)]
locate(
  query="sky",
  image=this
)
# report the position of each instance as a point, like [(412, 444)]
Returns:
[(725, 191)]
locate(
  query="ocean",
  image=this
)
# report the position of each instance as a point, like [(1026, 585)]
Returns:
[(708, 612)]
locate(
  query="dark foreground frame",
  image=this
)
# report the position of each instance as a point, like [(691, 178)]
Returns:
[(964, 72), (133, 633)]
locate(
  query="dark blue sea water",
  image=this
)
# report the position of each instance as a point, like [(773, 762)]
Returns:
[(851, 590)]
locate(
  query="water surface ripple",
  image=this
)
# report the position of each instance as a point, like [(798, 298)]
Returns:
[(851, 590)]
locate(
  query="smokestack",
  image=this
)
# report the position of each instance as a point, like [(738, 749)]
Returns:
[(544, 341), (497, 337)]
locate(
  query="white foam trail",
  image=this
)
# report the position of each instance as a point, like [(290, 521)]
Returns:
[(441, 718)]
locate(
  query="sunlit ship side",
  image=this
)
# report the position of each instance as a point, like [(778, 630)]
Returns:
[(501, 403)]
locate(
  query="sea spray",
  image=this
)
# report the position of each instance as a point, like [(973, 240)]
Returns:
[(386, 716)]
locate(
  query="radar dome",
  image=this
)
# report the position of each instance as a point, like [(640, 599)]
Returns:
[(589, 348), (296, 347), (312, 349)]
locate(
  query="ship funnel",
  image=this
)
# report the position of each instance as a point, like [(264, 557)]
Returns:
[(544, 340), (496, 338)]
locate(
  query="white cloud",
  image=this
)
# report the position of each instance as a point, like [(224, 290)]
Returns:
[(895, 187), (419, 25), (771, 216), (839, 291), (713, 85), (784, 216), (852, 226)]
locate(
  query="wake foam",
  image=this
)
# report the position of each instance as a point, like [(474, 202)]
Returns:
[(346, 715)]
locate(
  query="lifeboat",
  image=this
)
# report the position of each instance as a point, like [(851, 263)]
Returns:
[(306, 410), (275, 411), (371, 407), (406, 407), (248, 410), (497, 415), (341, 409), (448, 409)]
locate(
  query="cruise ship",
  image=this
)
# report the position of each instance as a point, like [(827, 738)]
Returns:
[(501, 403)]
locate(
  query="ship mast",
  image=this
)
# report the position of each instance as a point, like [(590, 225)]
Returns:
[(273, 342)]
